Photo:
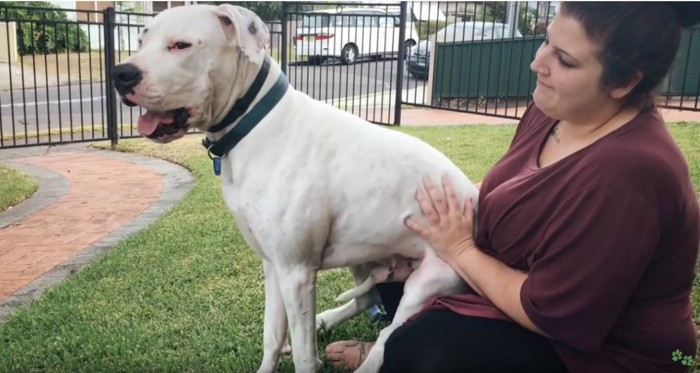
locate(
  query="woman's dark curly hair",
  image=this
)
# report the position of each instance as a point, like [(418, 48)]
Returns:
[(634, 38)]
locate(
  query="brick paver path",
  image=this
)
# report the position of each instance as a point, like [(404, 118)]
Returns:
[(104, 194)]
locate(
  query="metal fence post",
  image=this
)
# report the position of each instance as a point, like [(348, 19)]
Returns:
[(285, 46), (402, 54), (109, 18)]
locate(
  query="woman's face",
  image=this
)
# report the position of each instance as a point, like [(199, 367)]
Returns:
[(568, 72)]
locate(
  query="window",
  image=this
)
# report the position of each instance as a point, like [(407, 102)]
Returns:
[(346, 21), (387, 21), (316, 20), (367, 21)]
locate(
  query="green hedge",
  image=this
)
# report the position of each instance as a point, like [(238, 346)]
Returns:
[(39, 35)]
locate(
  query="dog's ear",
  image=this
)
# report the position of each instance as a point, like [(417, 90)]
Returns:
[(244, 28)]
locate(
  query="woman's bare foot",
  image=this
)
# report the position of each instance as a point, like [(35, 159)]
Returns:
[(348, 354)]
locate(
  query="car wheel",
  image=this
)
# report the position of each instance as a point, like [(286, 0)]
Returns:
[(409, 44), (349, 54)]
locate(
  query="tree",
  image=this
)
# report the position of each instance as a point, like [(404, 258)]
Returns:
[(122, 17), (493, 12), (37, 34), (497, 12), (527, 21)]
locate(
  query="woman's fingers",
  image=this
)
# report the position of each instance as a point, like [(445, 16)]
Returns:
[(436, 203), (415, 226), (426, 206), (450, 196), (468, 208), (437, 198)]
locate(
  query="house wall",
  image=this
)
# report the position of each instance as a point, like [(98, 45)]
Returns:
[(8, 42)]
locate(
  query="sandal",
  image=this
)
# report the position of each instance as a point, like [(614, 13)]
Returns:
[(348, 354)]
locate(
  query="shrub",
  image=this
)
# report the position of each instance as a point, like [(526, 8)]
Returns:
[(38, 34), (428, 28)]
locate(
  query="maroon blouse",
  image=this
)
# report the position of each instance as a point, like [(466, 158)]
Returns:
[(609, 237)]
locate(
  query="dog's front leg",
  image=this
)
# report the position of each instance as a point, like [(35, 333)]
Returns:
[(299, 293), (275, 327)]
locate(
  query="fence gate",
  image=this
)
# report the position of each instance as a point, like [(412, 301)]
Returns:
[(51, 69)]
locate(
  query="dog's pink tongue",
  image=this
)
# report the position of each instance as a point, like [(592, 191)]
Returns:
[(149, 122)]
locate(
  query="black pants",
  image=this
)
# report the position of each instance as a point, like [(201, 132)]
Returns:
[(442, 341)]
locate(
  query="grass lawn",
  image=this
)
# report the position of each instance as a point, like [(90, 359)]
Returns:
[(187, 293), (15, 187)]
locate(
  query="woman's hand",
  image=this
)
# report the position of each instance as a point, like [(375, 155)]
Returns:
[(449, 229)]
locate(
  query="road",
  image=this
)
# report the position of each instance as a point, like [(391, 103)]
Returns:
[(82, 105)]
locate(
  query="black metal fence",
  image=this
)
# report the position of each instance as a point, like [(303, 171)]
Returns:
[(475, 57), (347, 55), (371, 60), (50, 76)]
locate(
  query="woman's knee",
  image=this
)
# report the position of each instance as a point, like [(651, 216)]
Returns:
[(407, 351), (396, 349), (442, 341)]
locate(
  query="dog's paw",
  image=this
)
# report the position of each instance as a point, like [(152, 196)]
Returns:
[(320, 325)]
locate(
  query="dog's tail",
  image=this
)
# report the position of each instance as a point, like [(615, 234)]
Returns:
[(357, 291)]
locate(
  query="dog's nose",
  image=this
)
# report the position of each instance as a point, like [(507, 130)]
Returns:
[(126, 76)]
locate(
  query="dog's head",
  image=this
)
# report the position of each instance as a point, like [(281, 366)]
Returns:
[(189, 62)]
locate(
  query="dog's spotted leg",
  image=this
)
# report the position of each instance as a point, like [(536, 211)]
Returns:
[(298, 288)]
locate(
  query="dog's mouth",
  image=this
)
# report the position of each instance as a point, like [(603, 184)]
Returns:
[(162, 126)]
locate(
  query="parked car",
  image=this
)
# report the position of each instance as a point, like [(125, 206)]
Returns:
[(349, 34), (418, 61)]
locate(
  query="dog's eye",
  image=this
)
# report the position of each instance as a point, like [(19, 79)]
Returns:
[(180, 45)]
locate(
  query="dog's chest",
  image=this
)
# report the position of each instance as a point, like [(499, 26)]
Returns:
[(241, 213)]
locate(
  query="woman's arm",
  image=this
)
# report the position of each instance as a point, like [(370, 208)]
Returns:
[(494, 281), (450, 232)]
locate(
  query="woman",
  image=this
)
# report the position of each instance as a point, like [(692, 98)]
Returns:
[(588, 228)]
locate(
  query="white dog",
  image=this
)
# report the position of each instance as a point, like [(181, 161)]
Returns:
[(310, 187)]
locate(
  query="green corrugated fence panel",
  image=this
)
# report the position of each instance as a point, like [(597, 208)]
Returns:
[(499, 68), (685, 74)]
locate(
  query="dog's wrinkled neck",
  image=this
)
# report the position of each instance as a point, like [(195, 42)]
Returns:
[(229, 135), (234, 88), (236, 131), (249, 76), (242, 105)]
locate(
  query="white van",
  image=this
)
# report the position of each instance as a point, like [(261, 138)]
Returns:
[(349, 34)]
